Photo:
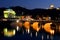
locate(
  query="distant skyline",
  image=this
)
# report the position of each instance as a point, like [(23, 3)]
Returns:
[(30, 4)]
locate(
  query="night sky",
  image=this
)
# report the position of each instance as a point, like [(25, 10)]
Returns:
[(29, 4)]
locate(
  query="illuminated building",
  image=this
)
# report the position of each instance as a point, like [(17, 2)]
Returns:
[(9, 13), (51, 6)]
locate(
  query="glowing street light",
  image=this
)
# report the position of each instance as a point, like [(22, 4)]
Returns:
[(17, 21)]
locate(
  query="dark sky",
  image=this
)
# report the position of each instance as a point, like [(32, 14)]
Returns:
[(29, 4)]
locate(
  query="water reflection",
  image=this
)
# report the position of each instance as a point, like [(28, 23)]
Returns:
[(31, 35), (34, 36)]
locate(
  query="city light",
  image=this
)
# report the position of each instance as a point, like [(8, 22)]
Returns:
[(48, 29), (58, 8), (37, 23), (9, 13), (52, 32), (27, 25), (17, 21), (28, 31), (9, 33), (35, 26), (17, 28)]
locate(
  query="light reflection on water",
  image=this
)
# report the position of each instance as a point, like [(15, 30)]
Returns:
[(32, 36)]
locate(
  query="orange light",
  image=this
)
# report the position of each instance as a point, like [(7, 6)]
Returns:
[(52, 32), (22, 17), (35, 26), (48, 29), (27, 25)]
